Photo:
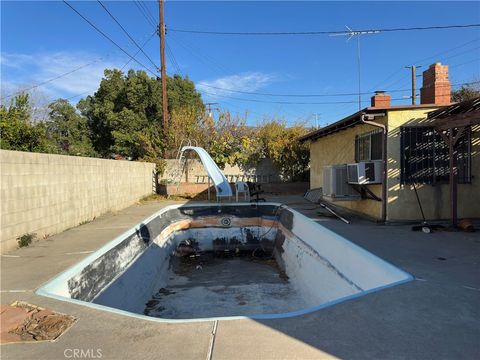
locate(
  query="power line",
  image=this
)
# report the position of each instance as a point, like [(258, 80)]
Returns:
[(308, 95), (249, 33), (108, 38), (454, 56), (172, 59), (127, 33), (315, 103), (72, 71), (465, 63), (285, 102), (422, 60), (215, 65), (447, 51), (52, 79), (461, 53), (143, 45), (145, 15), (404, 77), (123, 67), (148, 12)]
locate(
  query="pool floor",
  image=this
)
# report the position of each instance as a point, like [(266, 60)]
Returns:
[(213, 286)]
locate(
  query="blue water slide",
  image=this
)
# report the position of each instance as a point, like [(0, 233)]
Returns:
[(221, 183)]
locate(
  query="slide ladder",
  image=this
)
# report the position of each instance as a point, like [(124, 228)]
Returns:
[(180, 168)]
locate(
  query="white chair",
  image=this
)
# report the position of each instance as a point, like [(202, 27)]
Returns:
[(242, 187)]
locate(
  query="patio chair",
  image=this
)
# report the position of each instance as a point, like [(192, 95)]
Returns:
[(242, 187)]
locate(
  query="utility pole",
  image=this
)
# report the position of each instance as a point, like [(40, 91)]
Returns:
[(316, 120), (209, 108), (163, 69), (414, 82)]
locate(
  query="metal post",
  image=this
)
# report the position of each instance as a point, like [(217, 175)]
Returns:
[(359, 75), (208, 189), (413, 85), (384, 163), (453, 179)]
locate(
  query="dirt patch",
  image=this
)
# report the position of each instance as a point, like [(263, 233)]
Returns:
[(222, 276), (26, 322), (283, 275), (184, 266)]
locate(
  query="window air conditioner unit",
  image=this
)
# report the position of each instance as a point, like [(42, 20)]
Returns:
[(369, 172), (335, 185)]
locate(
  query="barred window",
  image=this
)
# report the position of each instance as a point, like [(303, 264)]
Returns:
[(425, 157), (368, 146)]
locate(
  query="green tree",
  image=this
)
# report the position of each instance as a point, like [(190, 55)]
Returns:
[(279, 143), (125, 114), (466, 92), (226, 143), (68, 130), (182, 94), (187, 124), (17, 130)]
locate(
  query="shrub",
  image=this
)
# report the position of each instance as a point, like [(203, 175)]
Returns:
[(25, 240)]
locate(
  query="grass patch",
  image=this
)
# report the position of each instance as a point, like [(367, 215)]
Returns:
[(26, 239), (86, 221), (183, 197)]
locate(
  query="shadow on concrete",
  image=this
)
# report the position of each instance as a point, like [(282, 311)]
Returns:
[(436, 316)]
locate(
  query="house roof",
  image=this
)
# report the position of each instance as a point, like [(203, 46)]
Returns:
[(349, 121), (463, 107), (465, 113), (356, 118)]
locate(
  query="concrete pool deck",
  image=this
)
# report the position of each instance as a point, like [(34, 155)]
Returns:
[(435, 317)]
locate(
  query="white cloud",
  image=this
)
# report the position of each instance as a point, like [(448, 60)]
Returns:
[(21, 71), (249, 81)]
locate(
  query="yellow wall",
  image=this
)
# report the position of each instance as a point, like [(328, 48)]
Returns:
[(402, 203), (339, 148)]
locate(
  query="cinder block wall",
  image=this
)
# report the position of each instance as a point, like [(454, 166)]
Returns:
[(46, 194), (263, 172)]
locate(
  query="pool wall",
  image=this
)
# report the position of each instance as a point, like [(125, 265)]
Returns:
[(134, 286), (323, 266)]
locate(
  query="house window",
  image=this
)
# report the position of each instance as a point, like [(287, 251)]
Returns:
[(425, 158), (368, 146)]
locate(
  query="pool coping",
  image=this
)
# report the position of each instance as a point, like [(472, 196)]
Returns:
[(43, 290)]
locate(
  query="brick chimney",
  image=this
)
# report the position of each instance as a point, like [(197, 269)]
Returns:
[(380, 99), (436, 87)]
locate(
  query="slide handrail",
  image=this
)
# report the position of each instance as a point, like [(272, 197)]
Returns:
[(222, 186)]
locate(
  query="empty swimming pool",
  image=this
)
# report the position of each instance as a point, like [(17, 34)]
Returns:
[(203, 261)]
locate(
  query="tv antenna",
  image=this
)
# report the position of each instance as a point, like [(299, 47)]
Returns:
[(352, 33)]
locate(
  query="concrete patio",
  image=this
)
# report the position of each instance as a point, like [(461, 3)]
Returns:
[(437, 316)]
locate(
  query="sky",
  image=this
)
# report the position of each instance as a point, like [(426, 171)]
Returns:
[(41, 40)]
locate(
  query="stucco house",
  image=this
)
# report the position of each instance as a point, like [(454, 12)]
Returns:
[(372, 161)]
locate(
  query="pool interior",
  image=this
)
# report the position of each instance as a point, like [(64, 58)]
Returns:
[(223, 284), (210, 261)]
